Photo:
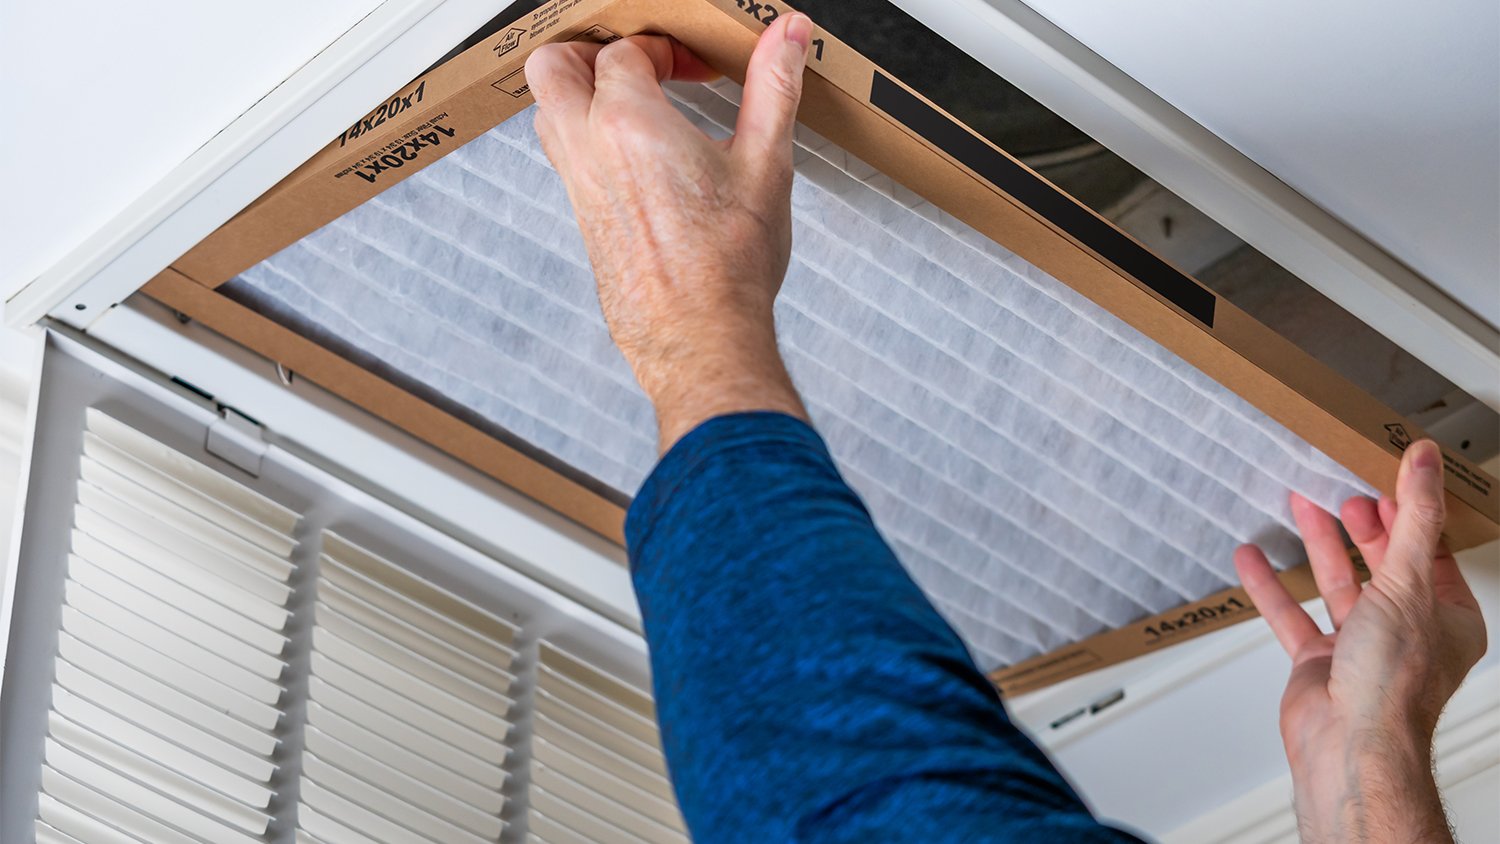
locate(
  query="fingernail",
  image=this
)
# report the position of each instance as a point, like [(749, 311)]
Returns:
[(1425, 456), (799, 30)]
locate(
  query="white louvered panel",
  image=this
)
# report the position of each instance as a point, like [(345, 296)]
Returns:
[(597, 769), (222, 560), (260, 594), (48, 834), (408, 729), (213, 679), (169, 664), (189, 474)]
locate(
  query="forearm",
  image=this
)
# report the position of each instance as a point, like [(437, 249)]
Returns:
[(718, 364), (1376, 787)]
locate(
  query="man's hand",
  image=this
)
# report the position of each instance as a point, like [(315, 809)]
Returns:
[(1363, 701), (689, 237)]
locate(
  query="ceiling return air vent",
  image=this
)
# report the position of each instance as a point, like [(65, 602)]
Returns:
[(214, 659)]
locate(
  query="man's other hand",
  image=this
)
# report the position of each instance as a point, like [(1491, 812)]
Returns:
[(689, 237), (1363, 701)]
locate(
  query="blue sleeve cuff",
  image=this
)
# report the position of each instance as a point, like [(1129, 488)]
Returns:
[(712, 438)]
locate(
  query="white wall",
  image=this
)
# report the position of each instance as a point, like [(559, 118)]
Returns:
[(1383, 112), (17, 356), (1474, 807)]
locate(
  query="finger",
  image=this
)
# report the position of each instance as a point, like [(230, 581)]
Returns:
[(1332, 569), (632, 69), (1420, 513), (561, 78), (687, 67), (1361, 518), (773, 87), (1387, 509), (1291, 624), (546, 135), (1449, 584), (1448, 581)]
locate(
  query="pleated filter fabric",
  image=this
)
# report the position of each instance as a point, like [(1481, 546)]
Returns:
[(1044, 471)]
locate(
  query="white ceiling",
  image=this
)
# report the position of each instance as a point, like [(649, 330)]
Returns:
[(104, 99), (1384, 113)]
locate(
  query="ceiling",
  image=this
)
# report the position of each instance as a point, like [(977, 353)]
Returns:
[(1384, 113), (176, 71), (114, 96)]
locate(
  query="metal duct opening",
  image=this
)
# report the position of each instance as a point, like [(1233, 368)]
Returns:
[(1163, 221)]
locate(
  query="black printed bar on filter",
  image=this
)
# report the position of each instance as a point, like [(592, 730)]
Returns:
[(1051, 204)]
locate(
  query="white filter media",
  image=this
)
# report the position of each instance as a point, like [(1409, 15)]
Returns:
[(1044, 471)]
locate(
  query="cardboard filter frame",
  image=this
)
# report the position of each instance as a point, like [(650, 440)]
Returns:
[(879, 119)]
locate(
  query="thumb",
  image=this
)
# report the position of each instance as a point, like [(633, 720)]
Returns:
[(1420, 513), (773, 87)]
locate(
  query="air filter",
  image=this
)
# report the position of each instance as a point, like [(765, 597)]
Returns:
[(1044, 470), (1062, 436)]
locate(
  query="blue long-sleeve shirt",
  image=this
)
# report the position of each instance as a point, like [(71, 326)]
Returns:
[(807, 690)]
